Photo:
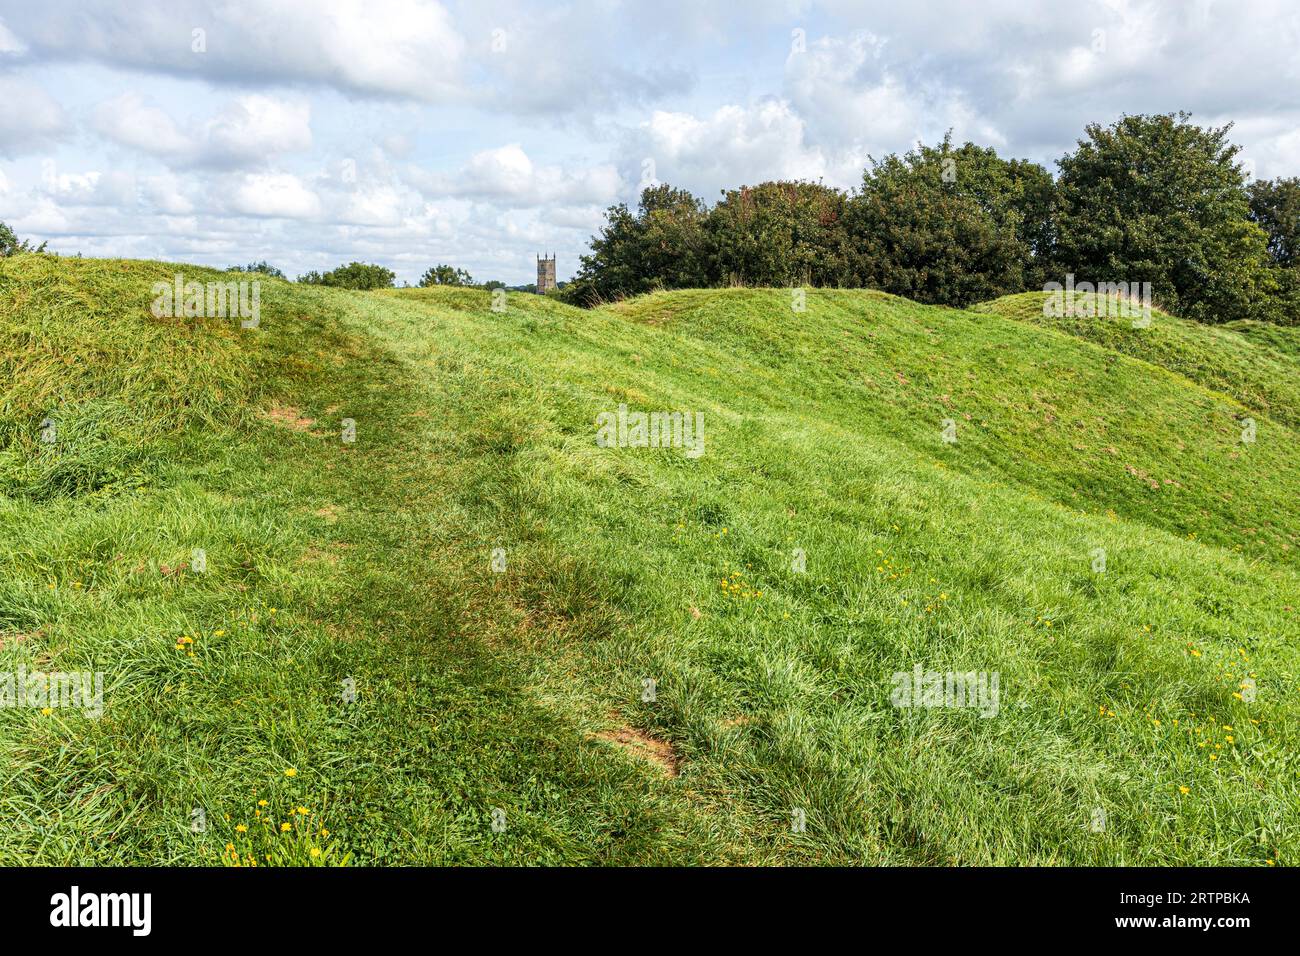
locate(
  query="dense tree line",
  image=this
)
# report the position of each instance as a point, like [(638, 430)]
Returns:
[(1147, 199)]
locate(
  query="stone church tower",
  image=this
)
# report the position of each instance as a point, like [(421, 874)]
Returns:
[(545, 274)]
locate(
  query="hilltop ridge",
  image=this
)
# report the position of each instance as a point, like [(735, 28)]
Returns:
[(637, 656)]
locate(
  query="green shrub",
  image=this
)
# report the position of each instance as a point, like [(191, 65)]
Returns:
[(354, 275)]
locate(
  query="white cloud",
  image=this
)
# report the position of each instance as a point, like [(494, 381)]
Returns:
[(1271, 148), (274, 195), (43, 218), (381, 47), (398, 145), (30, 119), (848, 94), (90, 188), (247, 131), (507, 176), (9, 44), (588, 219), (734, 146), (167, 194), (257, 126), (126, 119), (374, 205)]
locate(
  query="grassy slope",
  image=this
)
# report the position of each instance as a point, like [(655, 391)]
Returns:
[(1280, 338), (1256, 363), (479, 690)]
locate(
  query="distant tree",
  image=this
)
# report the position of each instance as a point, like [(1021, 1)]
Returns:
[(1284, 307), (445, 275), (263, 267), (11, 246), (951, 225), (1275, 206), (1157, 199), (663, 245), (494, 284), (354, 275), (780, 234)]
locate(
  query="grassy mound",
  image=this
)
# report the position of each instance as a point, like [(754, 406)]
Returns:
[(93, 381), (1254, 363), (562, 652), (1284, 339)]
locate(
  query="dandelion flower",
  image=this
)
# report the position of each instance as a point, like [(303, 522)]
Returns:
[(315, 852), (291, 772), (286, 827)]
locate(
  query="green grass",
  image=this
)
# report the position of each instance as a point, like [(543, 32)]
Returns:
[(1256, 363), (1281, 338), (524, 690)]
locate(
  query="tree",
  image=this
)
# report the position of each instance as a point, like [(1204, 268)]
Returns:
[(951, 225), (354, 275), (11, 246), (662, 246), (445, 275), (780, 234), (1275, 206), (263, 267), (1157, 199)]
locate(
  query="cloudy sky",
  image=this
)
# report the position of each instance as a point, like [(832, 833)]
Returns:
[(410, 132)]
